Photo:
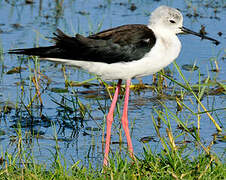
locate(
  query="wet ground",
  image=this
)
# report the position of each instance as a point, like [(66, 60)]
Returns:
[(79, 130)]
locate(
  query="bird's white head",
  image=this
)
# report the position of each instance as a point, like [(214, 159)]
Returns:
[(166, 19)]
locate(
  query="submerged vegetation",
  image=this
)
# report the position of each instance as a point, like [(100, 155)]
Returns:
[(46, 113)]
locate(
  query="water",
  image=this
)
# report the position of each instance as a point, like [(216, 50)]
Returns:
[(23, 25)]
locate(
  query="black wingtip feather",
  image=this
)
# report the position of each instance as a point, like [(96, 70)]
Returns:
[(40, 51), (18, 51), (49, 51), (59, 36)]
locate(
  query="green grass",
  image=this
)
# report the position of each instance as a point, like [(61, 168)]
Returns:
[(164, 165)]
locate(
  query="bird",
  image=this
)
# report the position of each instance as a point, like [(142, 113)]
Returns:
[(121, 53)]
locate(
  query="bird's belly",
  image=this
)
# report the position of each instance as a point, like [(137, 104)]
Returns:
[(150, 64), (128, 70)]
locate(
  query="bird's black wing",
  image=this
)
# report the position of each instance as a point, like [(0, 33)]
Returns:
[(121, 44)]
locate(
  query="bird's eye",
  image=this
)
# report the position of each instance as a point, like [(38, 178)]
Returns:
[(172, 21)]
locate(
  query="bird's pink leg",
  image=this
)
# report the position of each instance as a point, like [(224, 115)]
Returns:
[(109, 122), (125, 123)]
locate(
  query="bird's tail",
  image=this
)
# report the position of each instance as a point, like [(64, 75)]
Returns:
[(61, 42)]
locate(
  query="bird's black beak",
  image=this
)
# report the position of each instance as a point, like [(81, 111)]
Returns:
[(188, 31)]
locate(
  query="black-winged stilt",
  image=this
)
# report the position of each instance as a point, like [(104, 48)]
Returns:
[(121, 53)]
